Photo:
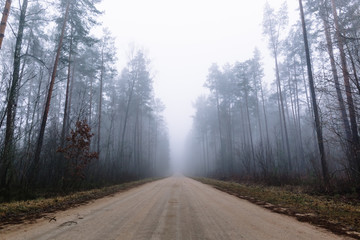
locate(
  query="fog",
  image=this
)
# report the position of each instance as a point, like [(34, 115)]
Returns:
[(98, 92), (183, 39)]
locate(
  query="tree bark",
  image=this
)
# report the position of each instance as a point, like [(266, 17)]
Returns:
[(126, 119), (8, 152), (250, 131), (314, 101), (334, 71), (283, 113), (4, 20), (40, 140), (265, 115), (349, 98), (220, 133), (66, 115), (100, 100), (298, 114)]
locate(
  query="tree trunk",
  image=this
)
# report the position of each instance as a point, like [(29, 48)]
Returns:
[(9, 148), (265, 115), (126, 119), (283, 114), (33, 117), (329, 44), (350, 101), (100, 100), (258, 111), (250, 132), (202, 142), (220, 134), (207, 154), (66, 116), (90, 110), (292, 112), (229, 142), (71, 91), (4, 20), (356, 78), (314, 101), (298, 114), (39, 144), (280, 117)]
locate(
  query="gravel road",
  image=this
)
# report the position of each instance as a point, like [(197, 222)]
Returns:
[(172, 208)]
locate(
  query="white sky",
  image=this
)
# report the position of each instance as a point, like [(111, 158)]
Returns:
[(183, 38)]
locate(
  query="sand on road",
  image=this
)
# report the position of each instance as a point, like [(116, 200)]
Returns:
[(172, 208)]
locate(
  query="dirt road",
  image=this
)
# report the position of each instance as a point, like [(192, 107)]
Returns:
[(173, 208)]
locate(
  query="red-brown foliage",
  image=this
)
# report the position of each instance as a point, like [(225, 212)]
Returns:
[(77, 150)]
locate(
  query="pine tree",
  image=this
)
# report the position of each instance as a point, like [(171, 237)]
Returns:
[(4, 19)]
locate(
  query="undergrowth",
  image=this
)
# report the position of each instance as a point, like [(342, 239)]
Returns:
[(334, 212), (18, 211)]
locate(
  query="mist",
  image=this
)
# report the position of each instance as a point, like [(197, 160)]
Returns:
[(211, 88), (183, 42), (150, 119)]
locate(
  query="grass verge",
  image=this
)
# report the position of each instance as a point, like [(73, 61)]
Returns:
[(330, 212), (19, 211)]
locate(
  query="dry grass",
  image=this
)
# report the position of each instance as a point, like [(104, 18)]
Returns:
[(17, 212), (330, 212)]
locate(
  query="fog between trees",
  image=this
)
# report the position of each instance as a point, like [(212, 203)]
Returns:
[(245, 128), (70, 117)]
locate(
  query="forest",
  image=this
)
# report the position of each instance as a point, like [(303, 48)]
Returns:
[(72, 118), (68, 118), (160, 119), (303, 126)]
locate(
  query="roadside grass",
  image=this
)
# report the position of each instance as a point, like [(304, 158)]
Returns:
[(18, 211), (330, 212)]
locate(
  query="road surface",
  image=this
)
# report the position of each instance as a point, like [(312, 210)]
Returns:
[(172, 208)]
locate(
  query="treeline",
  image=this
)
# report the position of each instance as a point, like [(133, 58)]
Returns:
[(67, 117), (245, 128)]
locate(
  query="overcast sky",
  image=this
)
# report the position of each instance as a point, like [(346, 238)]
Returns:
[(182, 39)]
